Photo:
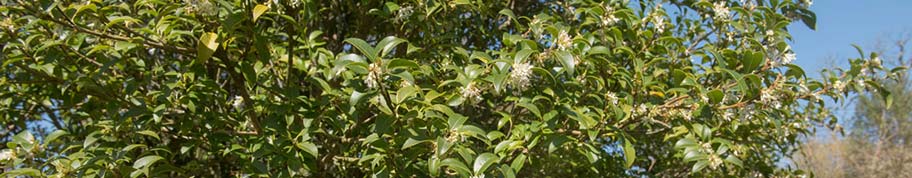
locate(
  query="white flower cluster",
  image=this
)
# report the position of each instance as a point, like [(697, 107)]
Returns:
[(404, 13), (730, 36), (609, 19), (373, 75), (727, 115), (683, 113), (521, 75), (8, 24), (768, 98), (571, 10), (721, 11), (839, 86), (612, 98), (641, 110), (714, 161), (748, 112), (471, 92), (564, 40), (295, 3), (770, 35), (781, 59), (807, 3), (6, 154), (238, 102), (543, 56), (788, 58), (202, 7), (660, 23)]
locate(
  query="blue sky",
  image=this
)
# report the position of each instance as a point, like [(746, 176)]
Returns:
[(841, 23)]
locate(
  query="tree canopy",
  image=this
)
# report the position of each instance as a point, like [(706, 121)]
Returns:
[(408, 88)]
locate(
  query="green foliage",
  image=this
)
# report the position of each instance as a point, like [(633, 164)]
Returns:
[(286, 88)]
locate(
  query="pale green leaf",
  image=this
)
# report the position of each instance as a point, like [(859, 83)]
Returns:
[(258, 11)]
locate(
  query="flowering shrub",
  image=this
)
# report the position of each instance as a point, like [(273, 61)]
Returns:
[(287, 88)]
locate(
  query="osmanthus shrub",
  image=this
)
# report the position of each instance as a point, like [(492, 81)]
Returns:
[(408, 88)]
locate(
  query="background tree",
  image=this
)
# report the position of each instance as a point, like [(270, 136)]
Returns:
[(877, 144), (332, 88)]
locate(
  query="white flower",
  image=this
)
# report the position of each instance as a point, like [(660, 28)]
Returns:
[(749, 112), (770, 35), (768, 98), (295, 3), (807, 3), (707, 147), (787, 58), (815, 97), (404, 13), (6, 154), (641, 109), (727, 115), (714, 161), (660, 23), (839, 86), (471, 92), (8, 24), (609, 19), (581, 79), (373, 75), (685, 115), (238, 102), (860, 83), (721, 10), (521, 75), (543, 56), (564, 41), (612, 98)]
